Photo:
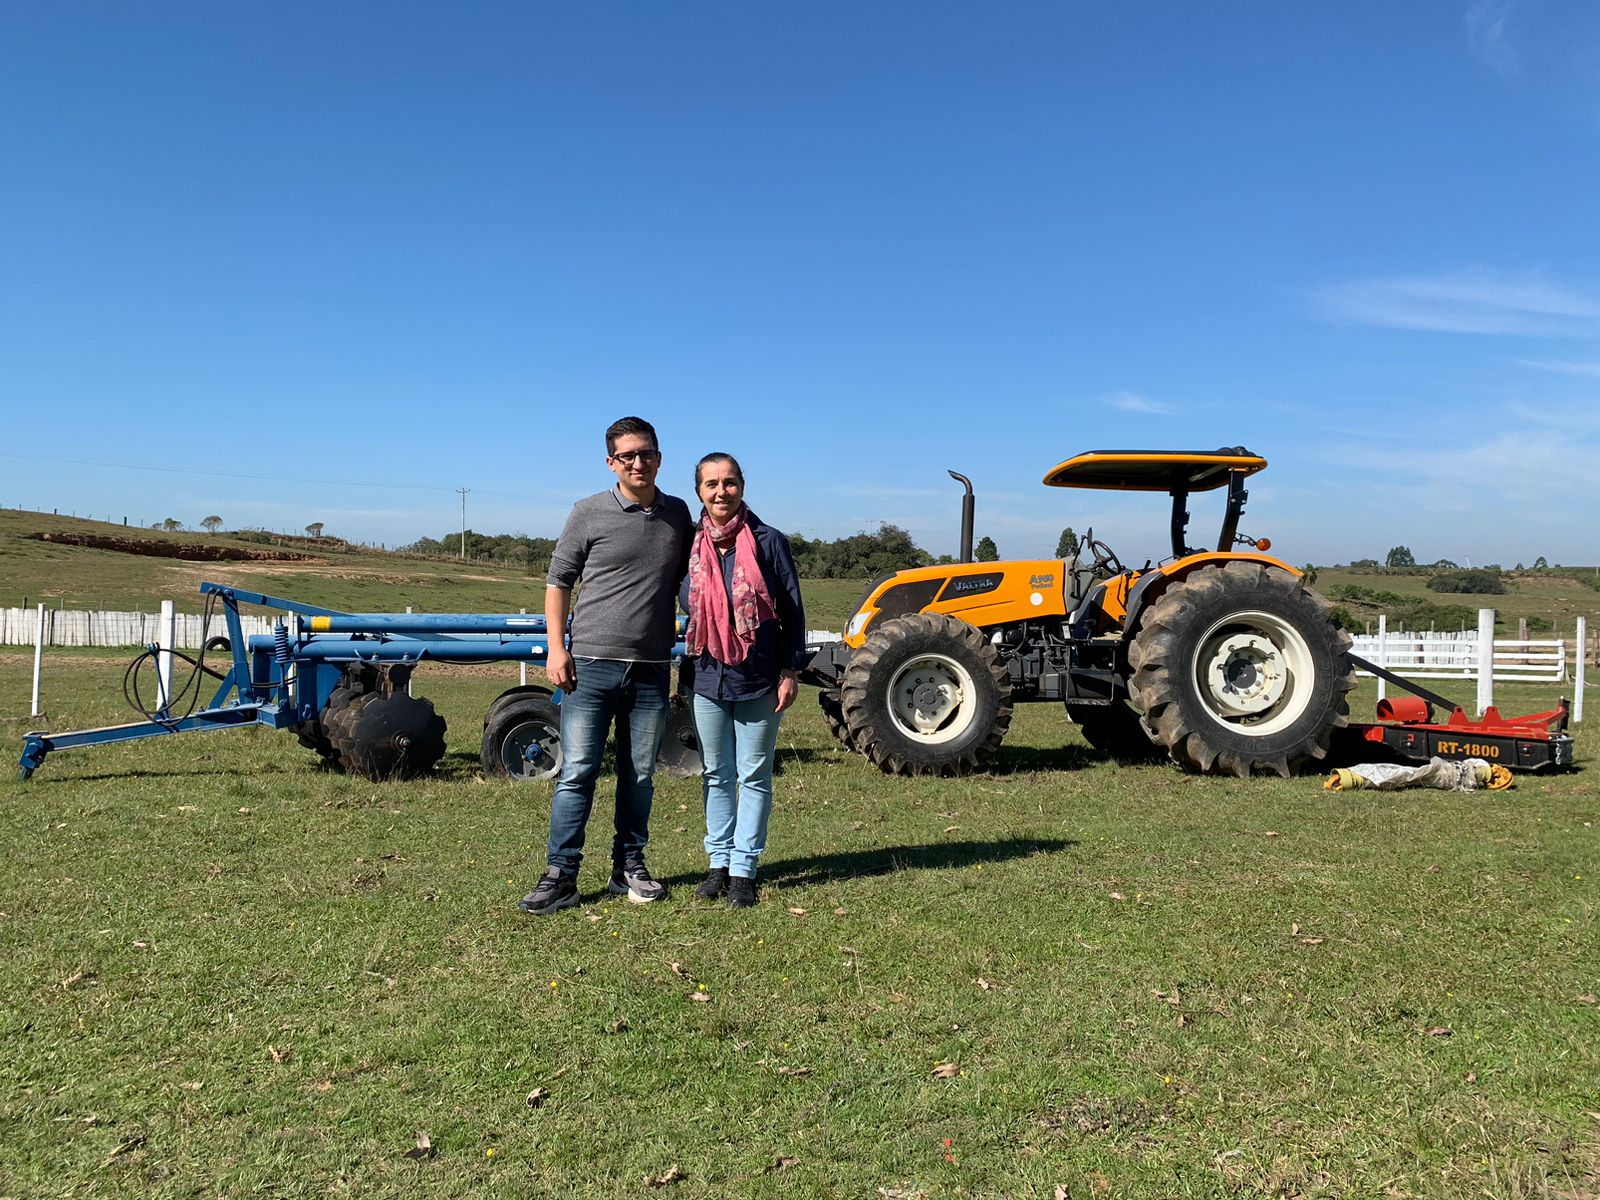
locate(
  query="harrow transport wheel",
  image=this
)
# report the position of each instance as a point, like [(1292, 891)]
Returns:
[(1240, 668), (386, 736), (926, 694), (833, 717), (1114, 730), (522, 739)]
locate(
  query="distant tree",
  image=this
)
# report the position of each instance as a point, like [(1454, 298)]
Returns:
[(314, 529), (1444, 564), (171, 523), (986, 550), (1369, 564), (1067, 546), (944, 560), (1400, 556), (211, 524), (1308, 573), (1473, 582), (1519, 567), (1539, 564)]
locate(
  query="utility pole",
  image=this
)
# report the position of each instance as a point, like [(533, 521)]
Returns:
[(463, 492)]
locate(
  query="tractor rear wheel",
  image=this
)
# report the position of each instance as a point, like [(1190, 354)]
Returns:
[(522, 739), (383, 735), (926, 694), (1114, 730), (1239, 668)]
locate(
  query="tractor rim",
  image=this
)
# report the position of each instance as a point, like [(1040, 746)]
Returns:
[(932, 698), (1254, 672), (531, 750)]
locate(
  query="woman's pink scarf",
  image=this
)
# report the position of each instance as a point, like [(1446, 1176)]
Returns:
[(726, 635)]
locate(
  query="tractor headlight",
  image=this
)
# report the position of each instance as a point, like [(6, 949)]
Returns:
[(858, 622)]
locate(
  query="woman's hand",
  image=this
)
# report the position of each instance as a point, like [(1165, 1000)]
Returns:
[(788, 689)]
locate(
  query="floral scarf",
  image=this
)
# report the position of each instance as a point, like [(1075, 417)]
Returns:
[(725, 634)]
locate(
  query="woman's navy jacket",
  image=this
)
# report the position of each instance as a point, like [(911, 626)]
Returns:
[(779, 644)]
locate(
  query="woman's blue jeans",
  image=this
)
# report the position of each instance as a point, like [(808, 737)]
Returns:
[(633, 696), (738, 740)]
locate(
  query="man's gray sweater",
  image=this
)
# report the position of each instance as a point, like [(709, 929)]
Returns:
[(630, 561)]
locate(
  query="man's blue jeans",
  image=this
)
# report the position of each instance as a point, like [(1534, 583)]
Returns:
[(633, 696), (739, 740)]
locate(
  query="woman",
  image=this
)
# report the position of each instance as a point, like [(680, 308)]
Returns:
[(746, 637)]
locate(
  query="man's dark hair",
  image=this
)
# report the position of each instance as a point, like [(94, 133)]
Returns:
[(629, 425)]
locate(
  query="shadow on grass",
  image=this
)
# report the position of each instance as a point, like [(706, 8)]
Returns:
[(886, 860)]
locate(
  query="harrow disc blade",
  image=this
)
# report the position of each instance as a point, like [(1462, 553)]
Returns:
[(393, 736), (680, 745)]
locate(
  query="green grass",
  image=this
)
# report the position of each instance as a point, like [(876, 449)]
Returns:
[(226, 973)]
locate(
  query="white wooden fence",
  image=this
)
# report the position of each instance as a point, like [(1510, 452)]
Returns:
[(79, 627), (1477, 655)]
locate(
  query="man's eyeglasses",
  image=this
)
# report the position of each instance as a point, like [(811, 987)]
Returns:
[(628, 457)]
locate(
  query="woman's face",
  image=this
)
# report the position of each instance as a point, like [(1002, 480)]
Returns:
[(720, 489)]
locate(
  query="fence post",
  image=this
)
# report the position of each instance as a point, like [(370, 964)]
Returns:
[(164, 634), (38, 658), (1577, 695), (1383, 653), (522, 668), (1485, 659)]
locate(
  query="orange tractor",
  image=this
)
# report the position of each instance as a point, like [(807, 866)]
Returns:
[(1221, 659)]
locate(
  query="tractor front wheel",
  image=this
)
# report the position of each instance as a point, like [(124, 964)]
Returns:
[(926, 694), (1239, 668)]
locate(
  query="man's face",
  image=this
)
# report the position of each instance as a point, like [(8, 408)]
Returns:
[(635, 462)]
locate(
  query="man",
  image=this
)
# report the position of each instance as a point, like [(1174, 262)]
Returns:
[(630, 546)]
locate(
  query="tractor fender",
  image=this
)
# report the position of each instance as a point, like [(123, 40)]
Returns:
[(1150, 585)]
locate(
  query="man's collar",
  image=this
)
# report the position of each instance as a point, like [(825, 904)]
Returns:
[(627, 505)]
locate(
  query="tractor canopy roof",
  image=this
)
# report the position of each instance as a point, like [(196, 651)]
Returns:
[(1155, 470)]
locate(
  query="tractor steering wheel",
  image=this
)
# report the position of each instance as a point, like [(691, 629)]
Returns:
[(1103, 561)]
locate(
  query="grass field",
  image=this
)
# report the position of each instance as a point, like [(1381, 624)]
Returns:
[(226, 973)]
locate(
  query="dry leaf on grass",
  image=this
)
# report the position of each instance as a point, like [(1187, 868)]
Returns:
[(245, 812), (1117, 896), (191, 1085), (1589, 998), (679, 970), (670, 1175), (839, 912), (141, 945), (946, 1070), (324, 1085), (423, 1148), (794, 1070), (620, 1025), (1439, 1031), (126, 1146), (782, 1163), (594, 917), (1294, 928), (799, 912), (905, 1193), (951, 828), (698, 997), (983, 984), (77, 977), (277, 1055), (1430, 870), (536, 1097), (1312, 941)]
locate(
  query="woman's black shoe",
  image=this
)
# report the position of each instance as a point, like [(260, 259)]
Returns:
[(741, 892), (715, 886)]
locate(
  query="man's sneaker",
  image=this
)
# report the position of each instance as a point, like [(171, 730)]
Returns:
[(556, 890), (635, 882), (716, 885), (741, 892)]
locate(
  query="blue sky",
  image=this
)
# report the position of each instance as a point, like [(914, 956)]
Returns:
[(290, 263)]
